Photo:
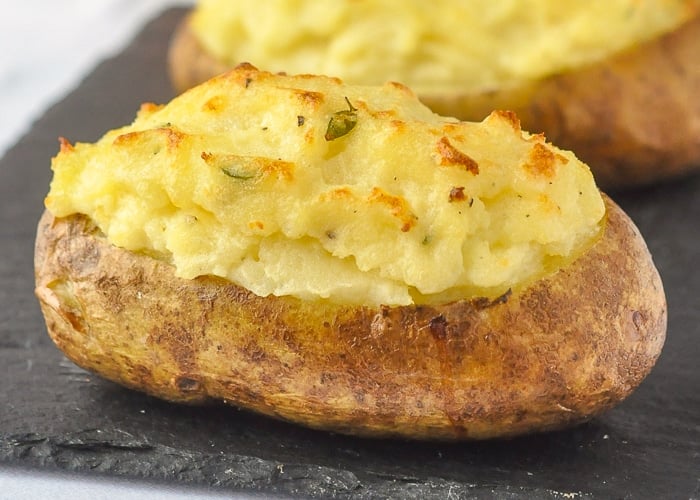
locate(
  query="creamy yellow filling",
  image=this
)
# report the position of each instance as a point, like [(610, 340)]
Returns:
[(432, 46), (308, 187)]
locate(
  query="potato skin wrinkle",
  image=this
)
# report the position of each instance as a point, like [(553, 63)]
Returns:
[(557, 353)]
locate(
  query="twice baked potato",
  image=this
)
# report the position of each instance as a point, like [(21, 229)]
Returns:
[(340, 257), (614, 81)]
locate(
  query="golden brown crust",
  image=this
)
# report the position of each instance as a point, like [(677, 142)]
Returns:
[(567, 348), (633, 118)]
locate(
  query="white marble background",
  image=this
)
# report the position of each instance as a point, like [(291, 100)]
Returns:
[(48, 46)]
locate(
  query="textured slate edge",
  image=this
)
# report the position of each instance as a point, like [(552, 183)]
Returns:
[(121, 454)]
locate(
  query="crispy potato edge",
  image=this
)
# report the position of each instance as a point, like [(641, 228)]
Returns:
[(564, 350)]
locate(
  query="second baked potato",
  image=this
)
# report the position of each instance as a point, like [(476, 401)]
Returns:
[(614, 81)]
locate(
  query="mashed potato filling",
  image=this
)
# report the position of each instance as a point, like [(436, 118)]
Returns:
[(305, 186), (432, 46)]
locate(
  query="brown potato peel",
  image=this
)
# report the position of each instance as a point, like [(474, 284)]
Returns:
[(559, 352)]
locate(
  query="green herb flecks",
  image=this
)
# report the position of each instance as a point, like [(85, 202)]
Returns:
[(234, 166), (341, 123), (235, 172)]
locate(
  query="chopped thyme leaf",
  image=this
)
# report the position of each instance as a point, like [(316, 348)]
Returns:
[(236, 174), (300, 120), (341, 123), (234, 166)]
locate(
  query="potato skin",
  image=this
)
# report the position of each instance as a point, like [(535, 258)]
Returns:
[(188, 63), (633, 118), (565, 349)]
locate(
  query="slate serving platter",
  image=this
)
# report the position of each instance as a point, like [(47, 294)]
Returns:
[(56, 417)]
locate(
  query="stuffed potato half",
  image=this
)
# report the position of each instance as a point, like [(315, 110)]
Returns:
[(341, 257), (614, 82), (559, 352)]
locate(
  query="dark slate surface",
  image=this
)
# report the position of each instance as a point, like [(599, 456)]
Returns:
[(55, 417)]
